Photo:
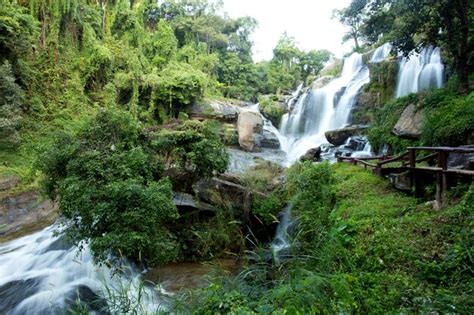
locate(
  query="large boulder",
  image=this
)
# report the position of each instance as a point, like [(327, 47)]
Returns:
[(223, 110), (339, 136), (313, 155), (410, 123), (249, 126), (24, 212)]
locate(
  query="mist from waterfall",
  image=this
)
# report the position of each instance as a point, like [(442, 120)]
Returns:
[(421, 71), (323, 109)]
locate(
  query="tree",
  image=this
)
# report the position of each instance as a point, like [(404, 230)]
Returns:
[(313, 62), (413, 24), (353, 17)]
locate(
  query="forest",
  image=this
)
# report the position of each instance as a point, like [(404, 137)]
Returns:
[(108, 118)]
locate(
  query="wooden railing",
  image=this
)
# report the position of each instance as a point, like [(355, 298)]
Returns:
[(408, 162)]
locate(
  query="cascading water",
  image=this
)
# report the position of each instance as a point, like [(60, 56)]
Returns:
[(42, 274), (281, 240), (323, 109), (420, 72), (381, 53)]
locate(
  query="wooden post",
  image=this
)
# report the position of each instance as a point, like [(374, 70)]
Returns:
[(441, 182), (412, 160)]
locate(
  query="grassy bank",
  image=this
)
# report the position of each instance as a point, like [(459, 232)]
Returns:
[(360, 247)]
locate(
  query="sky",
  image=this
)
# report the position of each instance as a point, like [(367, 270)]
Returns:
[(308, 21)]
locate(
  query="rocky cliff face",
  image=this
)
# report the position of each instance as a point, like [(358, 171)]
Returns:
[(383, 81)]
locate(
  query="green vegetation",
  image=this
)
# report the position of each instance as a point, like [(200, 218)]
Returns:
[(447, 122), (360, 247), (109, 179)]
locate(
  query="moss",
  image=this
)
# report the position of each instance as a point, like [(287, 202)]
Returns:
[(271, 108)]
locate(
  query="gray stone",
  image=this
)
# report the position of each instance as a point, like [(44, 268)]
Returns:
[(224, 110), (339, 136), (9, 182), (321, 82), (313, 155), (249, 125), (25, 211), (269, 140), (410, 123)]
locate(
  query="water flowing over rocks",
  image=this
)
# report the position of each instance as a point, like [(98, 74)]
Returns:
[(421, 71), (410, 123), (339, 136)]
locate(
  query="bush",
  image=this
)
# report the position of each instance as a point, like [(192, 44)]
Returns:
[(109, 182)]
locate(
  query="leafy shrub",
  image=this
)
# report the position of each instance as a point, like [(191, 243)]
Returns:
[(109, 181)]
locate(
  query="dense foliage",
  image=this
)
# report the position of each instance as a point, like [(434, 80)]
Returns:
[(109, 180)]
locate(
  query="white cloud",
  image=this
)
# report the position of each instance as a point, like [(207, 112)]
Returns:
[(309, 21)]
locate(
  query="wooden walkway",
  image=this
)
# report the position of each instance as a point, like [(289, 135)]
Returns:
[(407, 162)]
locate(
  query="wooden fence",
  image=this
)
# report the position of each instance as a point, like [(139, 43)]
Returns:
[(408, 162)]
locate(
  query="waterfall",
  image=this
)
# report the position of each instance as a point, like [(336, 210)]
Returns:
[(381, 53), (420, 72), (42, 274), (281, 240), (323, 109)]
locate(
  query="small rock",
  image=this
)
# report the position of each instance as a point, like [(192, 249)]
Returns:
[(313, 155)]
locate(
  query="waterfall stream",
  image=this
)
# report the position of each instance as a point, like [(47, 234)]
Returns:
[(42, 274), (421, 71), (320, 110)]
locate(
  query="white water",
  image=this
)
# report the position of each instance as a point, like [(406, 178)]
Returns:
[(281, 241), (41, 274), (324, 109), (381, 53), (420, 72)]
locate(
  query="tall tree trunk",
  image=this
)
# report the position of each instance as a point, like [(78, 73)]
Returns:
[(462, 8)]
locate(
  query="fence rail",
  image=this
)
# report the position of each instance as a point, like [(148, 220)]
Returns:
[(409, 162)]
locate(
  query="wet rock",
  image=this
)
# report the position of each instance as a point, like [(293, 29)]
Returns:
[(269, 140), (339, 136), (25, 211), (249, 126), (355, 143), (60, 244), (9, 182), (410, 123), (313, 155), (14, 292), (83, 297)]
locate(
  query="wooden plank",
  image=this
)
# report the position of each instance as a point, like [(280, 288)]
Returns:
[(445, 149), (459, 172), (397, 158)]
